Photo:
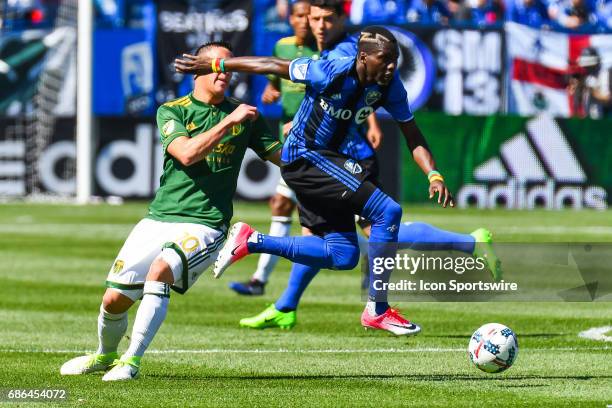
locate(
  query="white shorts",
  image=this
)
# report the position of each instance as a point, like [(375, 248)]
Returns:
[(283, 189), (188, 248)]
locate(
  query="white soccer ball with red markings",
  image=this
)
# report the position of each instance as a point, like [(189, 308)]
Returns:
[(493, 348)]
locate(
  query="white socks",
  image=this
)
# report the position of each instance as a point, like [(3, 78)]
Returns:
[(111, 328), (280, 227), (149, 317)]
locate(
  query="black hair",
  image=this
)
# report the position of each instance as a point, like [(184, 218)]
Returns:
[(373, 37), (294, 2), (212, 44), (336, 5)]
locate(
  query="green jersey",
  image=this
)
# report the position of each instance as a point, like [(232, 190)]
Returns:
[(292, 93), (202, 193)]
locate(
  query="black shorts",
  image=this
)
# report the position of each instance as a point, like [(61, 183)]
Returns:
[(330, 188)]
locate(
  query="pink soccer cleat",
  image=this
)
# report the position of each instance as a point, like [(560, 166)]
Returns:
[(391, 321), (235, 248)]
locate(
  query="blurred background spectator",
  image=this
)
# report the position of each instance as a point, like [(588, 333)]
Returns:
[(590, 86), (529, 12), (574, 14), (486, 12)]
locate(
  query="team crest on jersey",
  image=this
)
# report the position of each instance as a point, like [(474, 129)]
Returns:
[(372, 97), (237, 129), (118, 266), (191, 126), (298, 71), (168, 127), (352, 166)]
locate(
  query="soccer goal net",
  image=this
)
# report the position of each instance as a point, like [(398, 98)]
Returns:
[(38, 84)]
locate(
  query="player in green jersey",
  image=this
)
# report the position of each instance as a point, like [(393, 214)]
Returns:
[(204, 137)]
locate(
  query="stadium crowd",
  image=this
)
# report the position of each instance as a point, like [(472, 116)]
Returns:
[(573, 15), (581, 15)]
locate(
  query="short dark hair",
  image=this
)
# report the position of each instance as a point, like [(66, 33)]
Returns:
[(293, 3), (213, 44), (336, 5), (374, 37)]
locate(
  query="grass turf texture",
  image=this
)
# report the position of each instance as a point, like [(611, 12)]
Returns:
[(55, 260)]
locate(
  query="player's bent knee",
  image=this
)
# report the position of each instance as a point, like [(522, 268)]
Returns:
[(393, 212), (344, 250), (160, 271), (115, 302), (281, 205), (347, 259)]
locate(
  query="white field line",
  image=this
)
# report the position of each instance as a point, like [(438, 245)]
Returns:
[(300, 351), (597, 333)]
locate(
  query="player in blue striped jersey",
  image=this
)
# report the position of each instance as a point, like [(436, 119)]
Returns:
[(331, 187)]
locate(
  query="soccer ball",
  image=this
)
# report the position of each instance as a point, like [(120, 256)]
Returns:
[(493, 348)]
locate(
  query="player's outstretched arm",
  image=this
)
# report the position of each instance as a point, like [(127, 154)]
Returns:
[(192, 150), (423, 157), (203, 65)]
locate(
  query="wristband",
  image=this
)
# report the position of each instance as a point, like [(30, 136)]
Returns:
[(213, 65), (436, 178), (222, 65), (433, 173)]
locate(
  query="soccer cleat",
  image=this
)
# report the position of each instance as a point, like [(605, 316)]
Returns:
[(391, 321), (270, 317), (253, 287), (89, 363), (483, 249), (234, 249), (127, 368)]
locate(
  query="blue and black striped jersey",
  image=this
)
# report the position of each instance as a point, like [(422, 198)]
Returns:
[(336, 105)]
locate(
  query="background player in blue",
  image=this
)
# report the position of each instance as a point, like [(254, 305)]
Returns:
[(331, 186)]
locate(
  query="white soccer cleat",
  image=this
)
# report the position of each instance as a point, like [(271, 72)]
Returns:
[(234, 249), (122, 371), (89, 363)]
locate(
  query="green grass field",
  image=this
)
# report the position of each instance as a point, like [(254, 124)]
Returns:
[(55, 259)]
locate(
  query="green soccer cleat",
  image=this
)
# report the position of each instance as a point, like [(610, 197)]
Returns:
[(89, 363), (483, 248), (126, 368), (270, 317)]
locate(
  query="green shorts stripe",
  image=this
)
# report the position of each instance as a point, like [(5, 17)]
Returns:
[(124, 286)]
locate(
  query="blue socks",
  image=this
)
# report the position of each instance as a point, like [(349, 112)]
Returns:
[(300, 278), (385, 215), (421, 236), (337, 250)]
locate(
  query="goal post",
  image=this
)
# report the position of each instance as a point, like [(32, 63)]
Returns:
[(84, 130)]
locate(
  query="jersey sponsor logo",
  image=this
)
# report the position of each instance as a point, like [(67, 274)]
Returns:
[(362, 114), (338, 113), (336, 97), (168, 127), (372, 97), (298, 71), (225, 149), (352, 166), (346, 114), (118, 266)]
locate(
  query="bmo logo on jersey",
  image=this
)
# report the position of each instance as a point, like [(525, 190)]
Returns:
[(346, 114)]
